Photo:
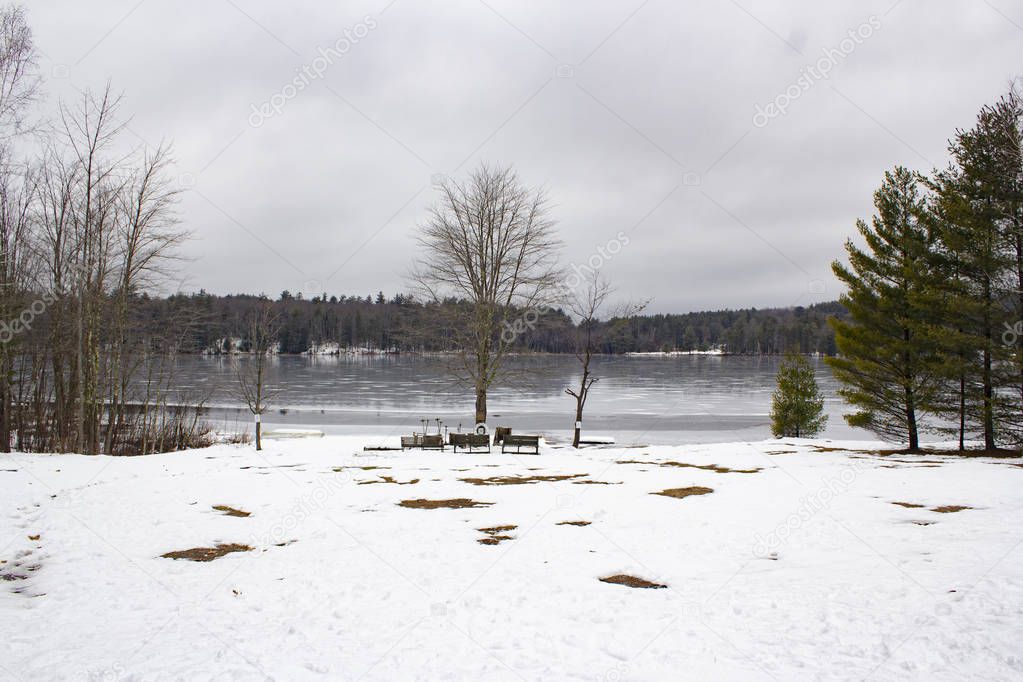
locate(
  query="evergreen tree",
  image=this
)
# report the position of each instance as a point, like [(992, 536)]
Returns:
[(885, 361), (979, 215), (797, 406)]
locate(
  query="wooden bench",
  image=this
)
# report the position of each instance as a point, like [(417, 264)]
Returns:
[(418, 440), (519, 442), (469, 441), (433, 442)]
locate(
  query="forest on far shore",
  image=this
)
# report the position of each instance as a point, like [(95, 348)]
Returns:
[(219, 324)]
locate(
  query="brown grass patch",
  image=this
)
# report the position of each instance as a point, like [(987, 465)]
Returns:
[(680, 493), (388, 479), (597, 482), (683, 465), (231, 511), (457, 503), (495, 534), (950, 509), (573, 523), (206, 553), (632, 581), (933, 452), (519, 480), (909, 505), (494, 539)]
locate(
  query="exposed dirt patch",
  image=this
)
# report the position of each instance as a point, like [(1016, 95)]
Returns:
[(909, 505), (457, 503), (932, 452), (494, 539), (231, 511), (680, 493), (520, 480), (923, 523), (950, 509), (573, 523), (782, 452), (597, 482), (495, 534), (388, 479), (632, 581), (683, 465), (206, 553)]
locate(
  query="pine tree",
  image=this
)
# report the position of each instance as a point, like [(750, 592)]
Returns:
[(797, 406), (886, 363), (979, 211)]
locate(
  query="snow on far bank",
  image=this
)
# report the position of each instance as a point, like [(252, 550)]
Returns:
[(674, 353), (782, 560)]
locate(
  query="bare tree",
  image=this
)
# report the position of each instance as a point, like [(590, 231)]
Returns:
[(19, 82), (490, 243), (587, 306), (252, 383), (147, 236), (16, 193), (18, 86)]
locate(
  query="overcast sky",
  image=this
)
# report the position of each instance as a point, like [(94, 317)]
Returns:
[(639, 117)]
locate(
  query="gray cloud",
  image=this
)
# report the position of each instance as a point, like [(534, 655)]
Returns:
[(646, 127)]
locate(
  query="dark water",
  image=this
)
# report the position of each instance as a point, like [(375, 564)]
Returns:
[(637, 399)]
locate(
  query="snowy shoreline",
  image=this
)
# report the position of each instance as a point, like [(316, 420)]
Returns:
[(784, 558)]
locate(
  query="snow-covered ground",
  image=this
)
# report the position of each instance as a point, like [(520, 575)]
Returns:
[(797, 566)]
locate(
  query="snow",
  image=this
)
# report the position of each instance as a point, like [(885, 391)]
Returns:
[(292, 433), (804, 569)]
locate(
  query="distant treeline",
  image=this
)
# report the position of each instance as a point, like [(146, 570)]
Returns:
[(401, 324)]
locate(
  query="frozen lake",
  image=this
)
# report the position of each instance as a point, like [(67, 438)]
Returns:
[(636, 400)]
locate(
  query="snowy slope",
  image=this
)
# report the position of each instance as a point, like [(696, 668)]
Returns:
[(804, 569)]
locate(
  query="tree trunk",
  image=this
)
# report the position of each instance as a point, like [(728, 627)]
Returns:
[(259, 433), (962, 411), (989, 393), (989, 397), (577, 432), (481, 405), (914, 435)]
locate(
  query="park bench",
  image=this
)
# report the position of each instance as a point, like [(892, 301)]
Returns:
[(423, 442), (519, 442), (469, 441), (433, 442)]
